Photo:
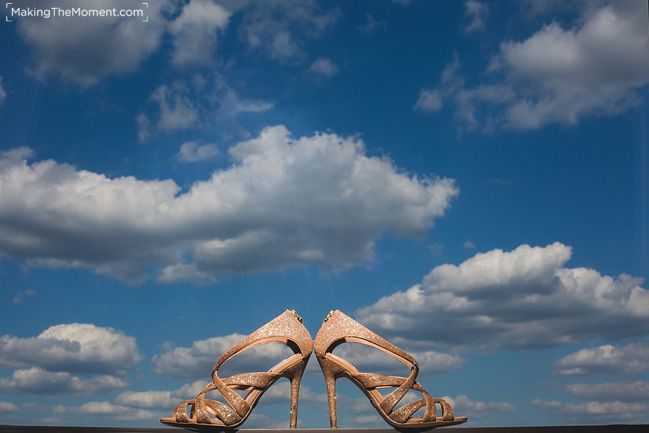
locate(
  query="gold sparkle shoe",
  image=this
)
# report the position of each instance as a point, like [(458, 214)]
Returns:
[(203, 413), (339, 328)]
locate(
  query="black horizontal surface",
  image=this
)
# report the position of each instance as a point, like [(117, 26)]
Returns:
[(617, 428)]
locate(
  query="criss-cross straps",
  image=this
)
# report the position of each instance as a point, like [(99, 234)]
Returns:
[(204, 410), (404, 413), (356, 333)]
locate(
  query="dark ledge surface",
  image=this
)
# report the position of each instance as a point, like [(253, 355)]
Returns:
[(615, 428)]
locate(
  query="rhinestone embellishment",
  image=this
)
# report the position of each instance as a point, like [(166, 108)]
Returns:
[(297, 316)]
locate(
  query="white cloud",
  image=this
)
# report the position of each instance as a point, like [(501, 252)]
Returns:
[(606, 359), (195, 32), (196, 362), (15, 155), (177, 109), (323, 66), (612, 391), (194, 103), (520, 298), (193, 151), (190, 390), (475, 12), (281, 28), (245, 218), (559, 74), (74, 347), (595, 411), (7, 407), (429, 101), (161, 399), (122, 413), (83, 49), (372, 360), (3, 93), (147, 399), (464, 406), (35, 380)]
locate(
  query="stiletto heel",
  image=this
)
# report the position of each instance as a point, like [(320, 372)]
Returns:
[(338, 328), (204, 413), (330, 370), (296, 379)]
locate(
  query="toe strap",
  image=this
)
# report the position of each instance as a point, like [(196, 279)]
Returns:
[(180, 413), (206, 411), (206, 408), (404, 413)]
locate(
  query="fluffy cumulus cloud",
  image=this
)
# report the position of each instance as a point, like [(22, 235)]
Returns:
[(104, 46), (167, 400), (145, 405), (560, 74), (116, 411), (74, 347), (280, 28), (523, 298), (595, 411), (637, 391), (465, 406), (35, 380), (195, 32), (606, 359), (284, 202), (196, 361), (148, 399), (86, 49), (192, 103), (367, 359)]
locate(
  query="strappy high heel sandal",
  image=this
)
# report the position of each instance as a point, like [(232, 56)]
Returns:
[(339, 328), (203, 413)]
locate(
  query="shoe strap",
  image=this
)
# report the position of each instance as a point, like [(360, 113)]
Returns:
[(284, 328), (339, 328), (375, 380)]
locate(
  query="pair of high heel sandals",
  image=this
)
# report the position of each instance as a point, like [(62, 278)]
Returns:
[(337, 328)]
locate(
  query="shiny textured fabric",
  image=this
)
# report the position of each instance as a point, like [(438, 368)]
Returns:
[(338, 328), (286, 328)]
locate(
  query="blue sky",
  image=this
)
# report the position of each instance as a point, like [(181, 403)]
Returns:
[(469, 179)]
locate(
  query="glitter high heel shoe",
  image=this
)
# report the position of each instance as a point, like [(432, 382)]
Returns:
[(205, 413), (339, 328)]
